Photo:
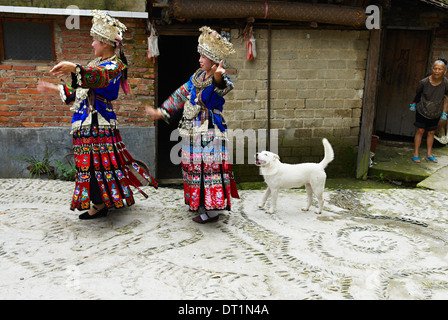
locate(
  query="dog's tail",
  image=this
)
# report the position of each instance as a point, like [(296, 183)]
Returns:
[(329, 154)]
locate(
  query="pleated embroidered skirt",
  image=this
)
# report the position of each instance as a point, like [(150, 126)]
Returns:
[(106, 170), (207, 172)]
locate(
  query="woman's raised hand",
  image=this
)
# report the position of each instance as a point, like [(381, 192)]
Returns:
[(154, 114), (62, 68), (219, 69), (218, 72), (46, 87)]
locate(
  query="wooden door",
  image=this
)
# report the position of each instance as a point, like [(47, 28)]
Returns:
[(404, 63)]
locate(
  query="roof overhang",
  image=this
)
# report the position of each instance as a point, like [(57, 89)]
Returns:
[(439, 3)]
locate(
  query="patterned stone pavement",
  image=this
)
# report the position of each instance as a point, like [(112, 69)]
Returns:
[(373, 244)]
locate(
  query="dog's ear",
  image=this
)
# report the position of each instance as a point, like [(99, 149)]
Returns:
[(276, 156)]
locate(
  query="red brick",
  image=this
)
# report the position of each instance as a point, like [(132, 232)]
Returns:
[(24, 67), (12, 74), (10, 113), (30, 113), (13, 85), (32, 124), (31, 103), (3, 90), (9, 102), (29, 79), (29, 91), (32, 73)]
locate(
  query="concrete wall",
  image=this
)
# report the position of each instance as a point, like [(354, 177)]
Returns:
[(22, 142)]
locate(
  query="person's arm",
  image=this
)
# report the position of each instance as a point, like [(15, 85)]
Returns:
[(89, 77), (221, 81), (418, 95), (153, 113), (66, 92), (171, 106), (46, 87), (445, 108), (445, 101), (218, 73)]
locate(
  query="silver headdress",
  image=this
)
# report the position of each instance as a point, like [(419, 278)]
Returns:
[(106, 29), (213, 45)]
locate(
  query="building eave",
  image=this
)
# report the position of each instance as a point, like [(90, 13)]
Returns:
[(437, 3)]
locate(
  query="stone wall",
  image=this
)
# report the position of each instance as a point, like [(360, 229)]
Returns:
[(317, 81)]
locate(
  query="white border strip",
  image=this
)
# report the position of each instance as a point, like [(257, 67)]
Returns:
[(68, 12)]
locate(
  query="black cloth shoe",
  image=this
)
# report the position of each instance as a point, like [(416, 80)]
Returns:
[(99, 214), (198, 219)]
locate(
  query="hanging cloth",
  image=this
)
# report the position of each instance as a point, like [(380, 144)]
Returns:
[(251, 50), (153, 46)]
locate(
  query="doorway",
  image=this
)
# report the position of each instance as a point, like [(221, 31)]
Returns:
[(404, 62), (177, 61)]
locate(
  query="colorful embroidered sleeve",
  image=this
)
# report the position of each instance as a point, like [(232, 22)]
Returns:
[(97, 77), (225, 87), (67, 93), (175, 102)]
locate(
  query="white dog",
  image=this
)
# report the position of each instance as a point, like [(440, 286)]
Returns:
[(279, 175)]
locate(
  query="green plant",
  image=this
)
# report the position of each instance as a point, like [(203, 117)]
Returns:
[(66, 172), (39, 166)]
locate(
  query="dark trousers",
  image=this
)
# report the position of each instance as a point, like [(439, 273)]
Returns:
[(95, 191)]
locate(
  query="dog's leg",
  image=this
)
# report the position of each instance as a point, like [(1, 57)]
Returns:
[(274, 196), (320, 199), (309, 193), (318, 189), (265, 197)]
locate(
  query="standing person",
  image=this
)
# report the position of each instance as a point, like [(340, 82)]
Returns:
[(207, 173), (430, 109), (105, 168)]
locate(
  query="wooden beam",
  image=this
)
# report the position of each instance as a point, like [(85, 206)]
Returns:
[(369, 102), (272, 10)]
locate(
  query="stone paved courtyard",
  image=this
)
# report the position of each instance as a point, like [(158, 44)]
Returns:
[(372, 244)]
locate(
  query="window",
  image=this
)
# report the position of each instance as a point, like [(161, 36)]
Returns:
[(26, 40)]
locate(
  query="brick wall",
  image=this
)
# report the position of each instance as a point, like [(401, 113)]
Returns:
[(22, 105), (317, 82), (440, 45)]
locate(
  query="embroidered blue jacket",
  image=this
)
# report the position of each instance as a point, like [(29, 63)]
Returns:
[(211, 97), (92, 90)]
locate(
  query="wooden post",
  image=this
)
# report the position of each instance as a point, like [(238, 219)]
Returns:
[(268, 106), (368, 108)]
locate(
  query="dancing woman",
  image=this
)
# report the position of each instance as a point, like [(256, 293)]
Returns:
[(105, 168), (207, 173)]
